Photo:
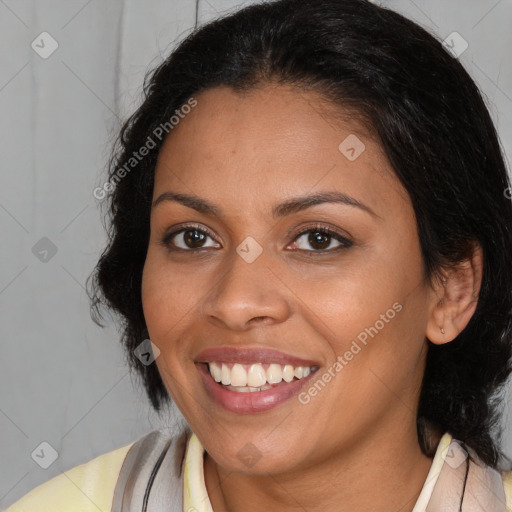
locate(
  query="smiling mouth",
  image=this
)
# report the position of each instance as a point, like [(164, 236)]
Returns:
[(255, 377)]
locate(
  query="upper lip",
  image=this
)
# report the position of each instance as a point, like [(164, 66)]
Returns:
[(250, 355)]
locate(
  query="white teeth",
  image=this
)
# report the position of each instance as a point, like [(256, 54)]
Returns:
[(216, 372), (256, 376), (247, 389), (274, 373), (245, 378), (225, 375), (288, 373), (238, 376)]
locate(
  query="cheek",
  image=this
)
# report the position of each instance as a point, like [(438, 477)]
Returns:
[(372, 314), (347, 299), (152, 294), (347, 310), (167, 295), (166, 305)]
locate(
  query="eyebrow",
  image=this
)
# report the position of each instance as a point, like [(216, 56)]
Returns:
[(293, 205)]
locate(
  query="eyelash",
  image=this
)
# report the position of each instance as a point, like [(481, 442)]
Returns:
[(345, 243)]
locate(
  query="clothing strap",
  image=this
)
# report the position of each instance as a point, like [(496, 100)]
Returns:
[(151, 477), (466, 484)]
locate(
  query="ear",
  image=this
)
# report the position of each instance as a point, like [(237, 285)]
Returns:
[(454, 299)]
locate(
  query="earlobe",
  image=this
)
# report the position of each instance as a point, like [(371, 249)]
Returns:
[(454, 299)]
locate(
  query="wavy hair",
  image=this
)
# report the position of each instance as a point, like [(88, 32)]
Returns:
[(436, 131)]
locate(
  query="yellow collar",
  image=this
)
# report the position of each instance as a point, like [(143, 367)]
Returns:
[(195, 495)]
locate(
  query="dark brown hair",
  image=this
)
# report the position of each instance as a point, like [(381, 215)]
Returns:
[(436, 131)]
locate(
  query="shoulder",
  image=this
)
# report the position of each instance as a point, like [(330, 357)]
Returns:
[(87, 487), (507, 484)]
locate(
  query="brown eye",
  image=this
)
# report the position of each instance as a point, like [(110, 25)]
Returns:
[(320, 239), (193, 239), (188, 238)]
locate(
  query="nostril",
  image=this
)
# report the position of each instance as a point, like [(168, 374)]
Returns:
[(258, 319)]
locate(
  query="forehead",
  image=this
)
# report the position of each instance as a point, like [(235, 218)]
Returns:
[(273, 142)]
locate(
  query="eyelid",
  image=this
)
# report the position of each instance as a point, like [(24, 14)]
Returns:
[(320, 226)]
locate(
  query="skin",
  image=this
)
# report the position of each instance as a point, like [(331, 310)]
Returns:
[(355, 444)]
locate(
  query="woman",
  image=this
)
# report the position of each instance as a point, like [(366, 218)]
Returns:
[(310, 248)]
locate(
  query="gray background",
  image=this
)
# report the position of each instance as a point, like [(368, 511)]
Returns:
[(63, 380)]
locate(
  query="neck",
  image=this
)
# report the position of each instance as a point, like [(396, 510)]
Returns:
[(387, 473)]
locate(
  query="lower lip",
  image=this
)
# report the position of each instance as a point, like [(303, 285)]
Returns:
[(250, 402)]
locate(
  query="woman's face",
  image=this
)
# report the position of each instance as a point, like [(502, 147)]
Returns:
[(255, 281)]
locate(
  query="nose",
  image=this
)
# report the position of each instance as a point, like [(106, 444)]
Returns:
[(247, 294)]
